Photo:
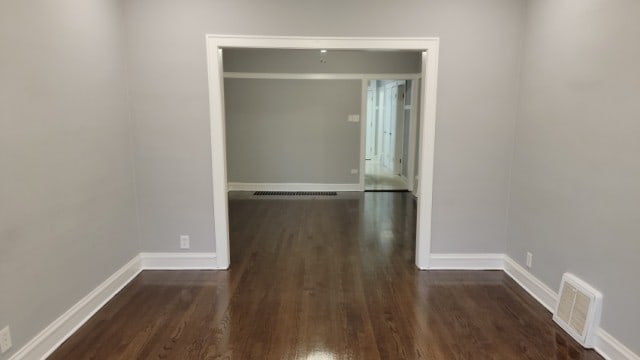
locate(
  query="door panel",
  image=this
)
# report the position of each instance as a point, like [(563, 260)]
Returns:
[(370, 149), (387, 146), (399, 134), (380, 122)]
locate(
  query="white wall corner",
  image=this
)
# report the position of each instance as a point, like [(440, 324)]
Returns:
[(466, 262), (49, 339), (179, 261)]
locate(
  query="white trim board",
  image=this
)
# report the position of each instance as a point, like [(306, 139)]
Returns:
[(467, 262), (49, 339), (178, 261), (413, 116), (429, 74), (606, 345), (292, 187), (536, 288), (320, 76), (612, 349)]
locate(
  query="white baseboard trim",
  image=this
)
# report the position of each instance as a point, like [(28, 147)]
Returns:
[(606, 345), (536, 288), (612, 349), (49, 339), (466, 262), (234, 186), (179, 261)]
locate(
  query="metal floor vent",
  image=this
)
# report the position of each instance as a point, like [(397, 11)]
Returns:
[(578, 309), (295, 193)]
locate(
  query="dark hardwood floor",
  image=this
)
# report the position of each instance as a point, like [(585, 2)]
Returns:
[(322, 279)]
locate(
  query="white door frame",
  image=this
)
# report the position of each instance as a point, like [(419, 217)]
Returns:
[(429, 48), (411, 161), (413, 117)]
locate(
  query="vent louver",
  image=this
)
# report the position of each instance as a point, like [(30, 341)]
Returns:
[(295, 193), (578, 309)]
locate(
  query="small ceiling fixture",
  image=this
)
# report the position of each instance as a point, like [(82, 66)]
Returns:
[(323, 56)]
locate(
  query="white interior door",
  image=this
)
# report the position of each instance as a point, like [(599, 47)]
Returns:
[(389, 126), (386, 117), (399, 129), (370, 150), (380, 106)]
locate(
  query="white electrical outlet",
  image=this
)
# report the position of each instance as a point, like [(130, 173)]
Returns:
[(5, 340), (184, 242), (529, 260), (354, 171)]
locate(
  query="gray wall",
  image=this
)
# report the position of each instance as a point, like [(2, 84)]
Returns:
[(292, 131), (575, 200), (67, 195), (296, 131), (308, 61), (67, 202), (479, 67)]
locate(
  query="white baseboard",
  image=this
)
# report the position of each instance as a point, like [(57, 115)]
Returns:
[(536, 288), (49, 339), (606, 345), (179, 261), (234, 186), (466, 262), (43, 344), (612, 349)]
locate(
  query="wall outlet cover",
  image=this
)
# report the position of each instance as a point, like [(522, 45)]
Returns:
[(184, 242), (5, 340)]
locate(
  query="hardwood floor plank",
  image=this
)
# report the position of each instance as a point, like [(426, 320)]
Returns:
[(322, 279)]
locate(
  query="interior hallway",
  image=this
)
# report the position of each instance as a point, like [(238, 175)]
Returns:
[(322, 279), (378, 177)]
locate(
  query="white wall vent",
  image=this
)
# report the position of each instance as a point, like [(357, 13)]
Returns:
[(578, 309)]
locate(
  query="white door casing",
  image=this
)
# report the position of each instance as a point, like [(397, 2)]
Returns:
[(429, 48)]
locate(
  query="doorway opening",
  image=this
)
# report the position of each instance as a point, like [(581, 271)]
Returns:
[(428, 47), (390, 135)]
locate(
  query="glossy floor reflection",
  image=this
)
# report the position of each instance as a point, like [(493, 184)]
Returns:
[(322, 279), (378, 177)]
